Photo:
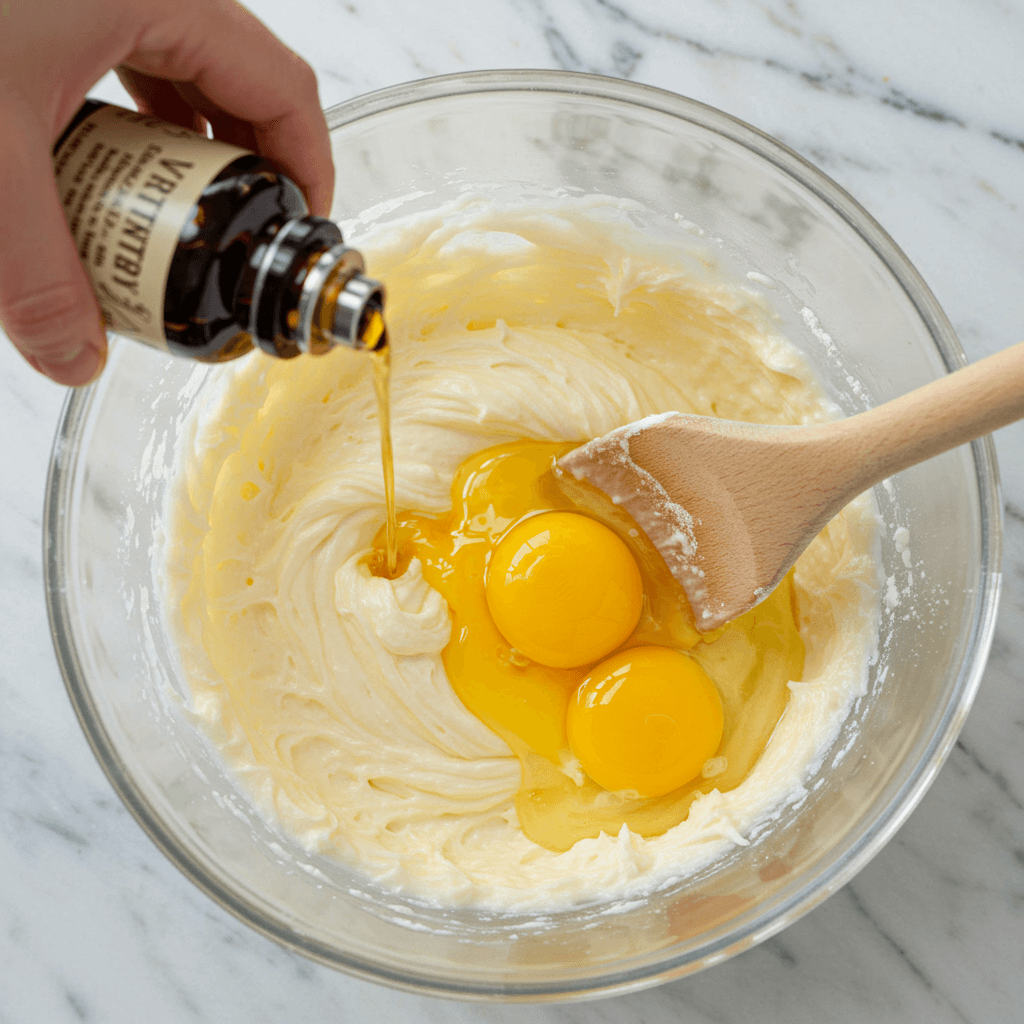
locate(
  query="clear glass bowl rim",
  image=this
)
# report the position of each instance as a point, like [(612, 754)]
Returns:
[(818, 887)]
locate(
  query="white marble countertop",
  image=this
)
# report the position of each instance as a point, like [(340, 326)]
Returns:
[(918, 110)]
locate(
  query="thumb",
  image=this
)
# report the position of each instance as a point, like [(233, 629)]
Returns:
[(47, 305)]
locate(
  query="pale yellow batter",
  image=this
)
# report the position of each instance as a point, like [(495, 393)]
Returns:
[(323, 686)]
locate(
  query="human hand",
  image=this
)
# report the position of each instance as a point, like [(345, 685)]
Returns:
[(186, 61)]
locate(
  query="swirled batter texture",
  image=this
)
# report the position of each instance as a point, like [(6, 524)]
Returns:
[(323, 685)]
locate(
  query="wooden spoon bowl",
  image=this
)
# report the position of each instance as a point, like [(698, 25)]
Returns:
[(732, 506)]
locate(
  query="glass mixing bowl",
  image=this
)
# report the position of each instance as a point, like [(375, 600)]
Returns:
[(875, 332)]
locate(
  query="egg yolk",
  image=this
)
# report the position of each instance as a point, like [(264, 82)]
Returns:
[(623, 750), (645, 719), (563, 589)]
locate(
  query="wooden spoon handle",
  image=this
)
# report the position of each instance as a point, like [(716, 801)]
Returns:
[(950, 411)]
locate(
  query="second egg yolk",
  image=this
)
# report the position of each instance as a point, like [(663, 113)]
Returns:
[(563, 589), (646, 719)]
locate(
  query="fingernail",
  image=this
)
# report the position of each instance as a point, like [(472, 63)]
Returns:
[(80, 368)]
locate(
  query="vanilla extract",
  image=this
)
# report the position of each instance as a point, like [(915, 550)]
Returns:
[(203, 248)]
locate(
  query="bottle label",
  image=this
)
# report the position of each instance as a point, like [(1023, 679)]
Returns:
[(129, 183)]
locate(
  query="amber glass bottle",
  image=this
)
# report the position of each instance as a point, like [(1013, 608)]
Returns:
[(203, 248)]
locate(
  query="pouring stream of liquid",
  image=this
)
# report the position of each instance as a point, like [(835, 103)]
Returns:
[(381, 361)]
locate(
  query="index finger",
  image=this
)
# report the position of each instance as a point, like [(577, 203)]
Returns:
[(237, 67)]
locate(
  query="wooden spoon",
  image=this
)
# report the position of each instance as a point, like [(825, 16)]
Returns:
[(731, 506)]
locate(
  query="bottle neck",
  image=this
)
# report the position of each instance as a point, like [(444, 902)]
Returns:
[(341, 306), (309, 293)]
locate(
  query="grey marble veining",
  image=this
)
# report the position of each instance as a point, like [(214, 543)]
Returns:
[(917, 110)]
